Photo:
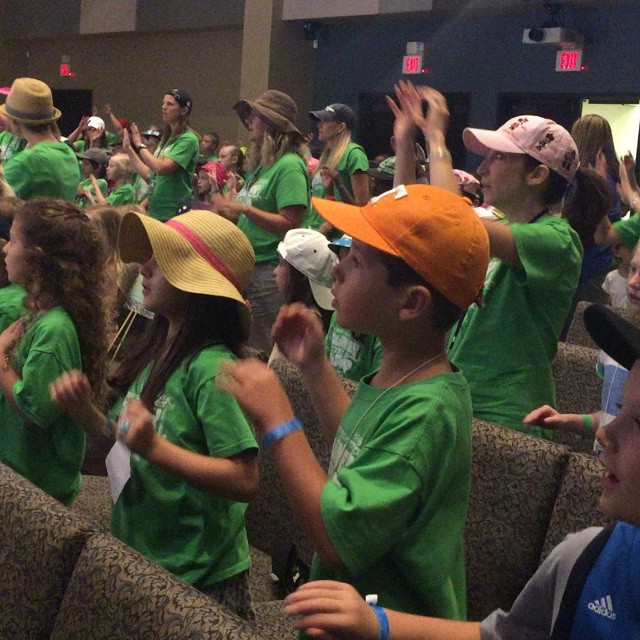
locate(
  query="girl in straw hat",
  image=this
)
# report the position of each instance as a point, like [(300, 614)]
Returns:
[(273, 200), (56, 254), (185, 449)]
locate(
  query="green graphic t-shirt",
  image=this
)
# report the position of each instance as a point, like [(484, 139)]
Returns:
[(353, 159), (123, 194), (167, 191), (50, 450), (396, 499), (506, 347), (194, 534), (83, 201), (284, 184), (10, 145), (352, 355), (47, 169)]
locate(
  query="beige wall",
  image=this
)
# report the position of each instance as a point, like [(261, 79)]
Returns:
[(132, 72)]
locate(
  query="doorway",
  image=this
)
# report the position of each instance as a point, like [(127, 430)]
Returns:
[(622, 111), (376, 125), (74, 104)]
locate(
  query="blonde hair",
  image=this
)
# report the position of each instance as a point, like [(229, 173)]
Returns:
[(122, 161), (331, 157), (275, 144)]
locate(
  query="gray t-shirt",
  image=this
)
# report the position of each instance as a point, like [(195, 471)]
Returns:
[(534, 612)]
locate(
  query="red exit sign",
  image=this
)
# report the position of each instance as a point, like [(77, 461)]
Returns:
[(411, 64), (569, 60)]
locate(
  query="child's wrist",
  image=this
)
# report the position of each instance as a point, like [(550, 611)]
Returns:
[(381, 616), (279, 432)]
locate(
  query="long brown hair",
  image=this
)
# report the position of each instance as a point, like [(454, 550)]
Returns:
[(592, 134), (66, 256), (211, 320)]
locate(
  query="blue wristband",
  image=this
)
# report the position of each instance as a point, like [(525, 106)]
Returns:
[(280, 432), (383, 622)]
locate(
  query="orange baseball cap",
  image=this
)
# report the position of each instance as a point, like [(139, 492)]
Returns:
[(436, 232)]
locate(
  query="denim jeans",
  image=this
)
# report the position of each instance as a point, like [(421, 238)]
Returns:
[(265, 301)]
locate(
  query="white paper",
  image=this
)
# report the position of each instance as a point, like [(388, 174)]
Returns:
[(118, 468)]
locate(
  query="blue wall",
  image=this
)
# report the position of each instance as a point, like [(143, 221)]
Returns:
[(480, 54)]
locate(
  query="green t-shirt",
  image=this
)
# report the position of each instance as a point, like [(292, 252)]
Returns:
[(198, 536), (50, 451), (123, 194), (11, 304), (352, 355), (396, 499), (284, 184), (166, 192), (47, 169), (140, 189), (506, 347), (629, 230), (353, 159), (83, 201), (10, 145)]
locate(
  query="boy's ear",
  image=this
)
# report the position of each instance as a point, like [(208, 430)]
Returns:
[(417, 302)]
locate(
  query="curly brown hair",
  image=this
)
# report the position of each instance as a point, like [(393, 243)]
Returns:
[(66, 257)]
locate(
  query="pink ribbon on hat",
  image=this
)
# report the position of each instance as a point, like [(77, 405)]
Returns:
[(203, 251)]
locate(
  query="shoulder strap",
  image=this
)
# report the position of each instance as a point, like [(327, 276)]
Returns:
[(577, 578)]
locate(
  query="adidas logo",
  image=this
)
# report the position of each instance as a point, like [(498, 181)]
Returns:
[(603, 607)]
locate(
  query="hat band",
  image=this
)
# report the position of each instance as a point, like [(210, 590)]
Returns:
[(25, 115), (204, 252)]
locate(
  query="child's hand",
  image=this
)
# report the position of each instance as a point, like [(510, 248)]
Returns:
[(72, 392), (10, 337), (136, 428), (258, 392), (548, 418), (329, 609), (298, 333)]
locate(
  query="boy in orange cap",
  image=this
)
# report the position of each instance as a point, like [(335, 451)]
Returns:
[(388, 516)]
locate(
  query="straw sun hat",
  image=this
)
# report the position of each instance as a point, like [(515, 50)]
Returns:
[(30, 102), (198, 252)]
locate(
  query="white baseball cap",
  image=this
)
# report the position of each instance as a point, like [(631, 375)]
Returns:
[(96, 122), (308, 251)]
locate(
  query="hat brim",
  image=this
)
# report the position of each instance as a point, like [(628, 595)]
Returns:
[(56, 116), (617, 337), (353, 221), (321, 115), (322, 295), (483, 141), (141, 237), (244, 108)]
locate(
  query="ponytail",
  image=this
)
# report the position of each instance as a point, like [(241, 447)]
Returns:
[(590, 200)]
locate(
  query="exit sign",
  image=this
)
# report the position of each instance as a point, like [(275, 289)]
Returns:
[(411, 64), (569, 60)]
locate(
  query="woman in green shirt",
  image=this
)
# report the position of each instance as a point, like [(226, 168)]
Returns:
[(342, 171), (273, 200), (172, 166)]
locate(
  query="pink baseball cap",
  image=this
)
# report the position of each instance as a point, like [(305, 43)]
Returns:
[(540, 138)]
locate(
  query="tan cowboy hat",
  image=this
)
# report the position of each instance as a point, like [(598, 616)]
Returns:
[(198, 252), (274, 107), (30, 102)]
